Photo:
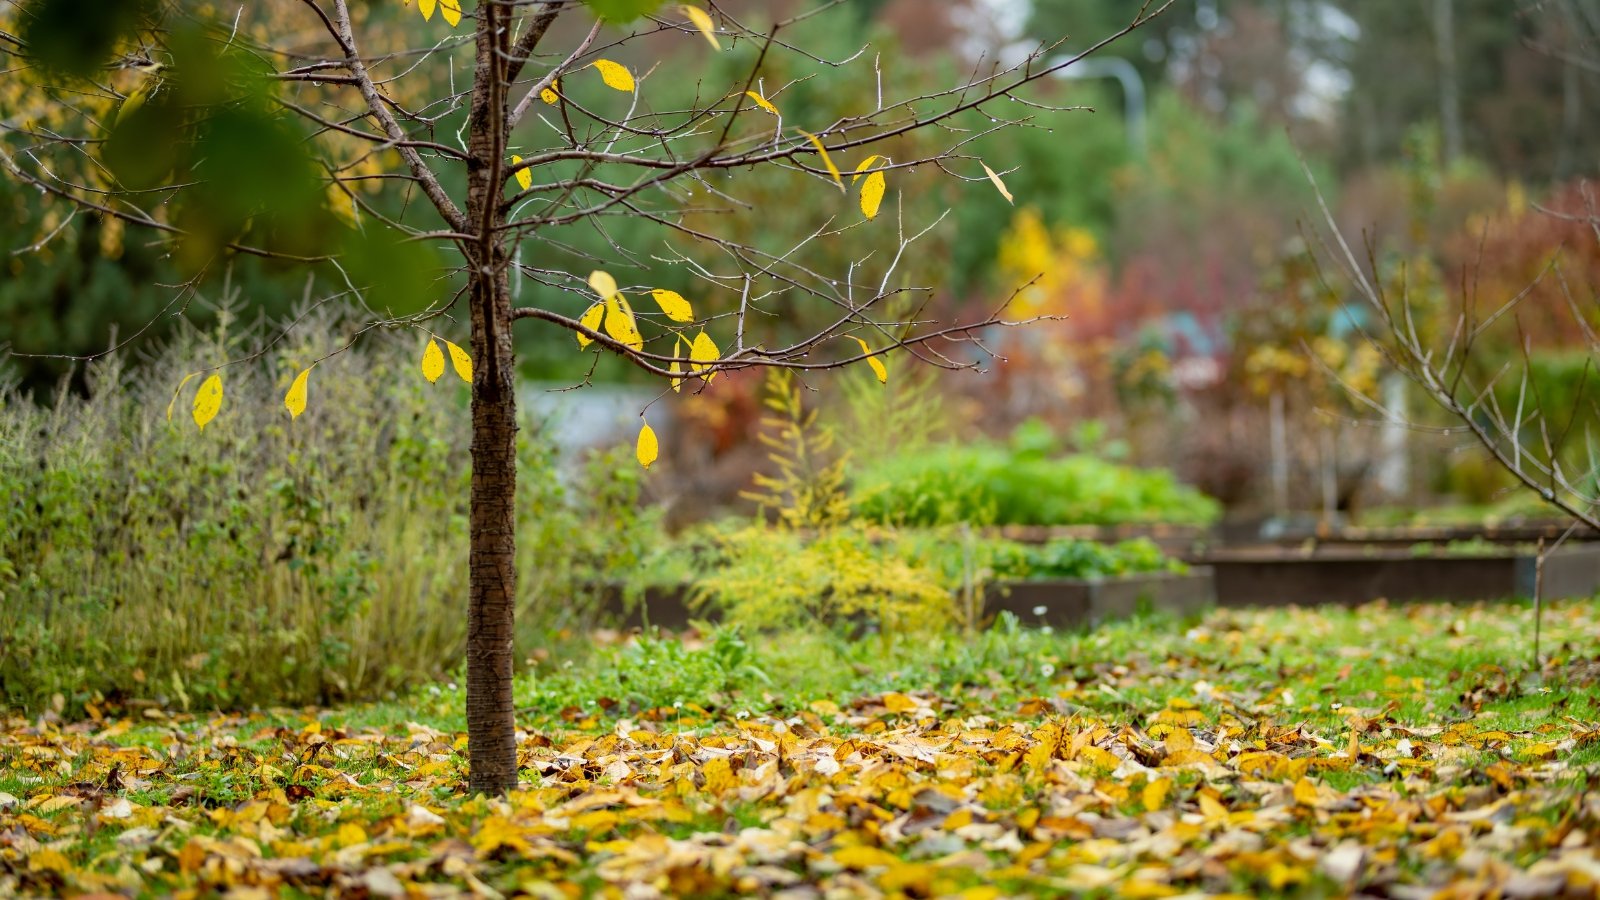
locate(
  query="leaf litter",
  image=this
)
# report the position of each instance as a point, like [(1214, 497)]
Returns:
[(1482, 784)]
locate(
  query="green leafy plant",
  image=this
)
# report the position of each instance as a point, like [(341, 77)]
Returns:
[(1022, 483)]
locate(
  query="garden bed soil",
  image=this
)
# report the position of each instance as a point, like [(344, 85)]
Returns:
[(1172, 539), (1350, 575), (1059, 603)]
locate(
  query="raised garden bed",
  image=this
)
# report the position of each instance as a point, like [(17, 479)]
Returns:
[(1506, 534), (1077, 602), (1353, 574), (1059, 603), (1173, 539)]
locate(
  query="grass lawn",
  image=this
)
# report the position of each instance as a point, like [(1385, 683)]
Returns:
[(1388, 750)]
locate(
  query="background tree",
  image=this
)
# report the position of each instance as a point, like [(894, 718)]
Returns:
[(427, 167)]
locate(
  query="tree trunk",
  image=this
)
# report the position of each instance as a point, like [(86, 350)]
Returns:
[(1444, 28), (491, 713)]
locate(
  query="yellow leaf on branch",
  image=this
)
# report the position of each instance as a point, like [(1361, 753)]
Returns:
[(208, 401), (863, 167), (174, 401), (603, 284), (460, 361), (872, 195), (426, 7), (590, 320), (763, 102), (998, 184), (550, 94), (615, 75), (675, 367), (877, 365), (295, 400), (702, 21), (432, 361), (524, 176), (451, 10), (826, 159), (648, 448), (620, 323), (701, 352), (673, 304)]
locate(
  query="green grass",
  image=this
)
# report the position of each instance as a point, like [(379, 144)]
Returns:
[(1448, 679)]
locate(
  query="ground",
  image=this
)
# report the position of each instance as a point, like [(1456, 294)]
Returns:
[(1388, 750)]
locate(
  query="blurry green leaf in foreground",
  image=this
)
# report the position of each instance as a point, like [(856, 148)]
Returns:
[(77, 37), (622, 11)]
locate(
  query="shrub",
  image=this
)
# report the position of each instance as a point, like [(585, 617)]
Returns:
[(774, 578), (264, 561), (1022, 484)]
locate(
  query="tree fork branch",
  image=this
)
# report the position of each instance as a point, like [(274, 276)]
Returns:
[(369, 92)]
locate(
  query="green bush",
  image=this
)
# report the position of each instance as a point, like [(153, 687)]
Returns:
[(1082, 559), (1023, 483), (774, 578), (263, 561)]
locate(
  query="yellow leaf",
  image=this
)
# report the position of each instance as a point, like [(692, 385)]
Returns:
[(549, 95), (1212, 809), (762, 102), (1155, 794), (673, 304), (591, 321), (703, 350), (897, 702), (1305, 792), (295, 400), (620, 323), (603, 284), (649, 448), (719, 776), (49, 860), (426, 7), (460, 361), (179, 390), (826, 159), (208, 401), (674, 367), (702, 21), (615, 75), (1179, 739), (451, 10), (862, 169), (872, 195), (878, 368), (432, 361), (998, 184), (524, 176), (864, 857)]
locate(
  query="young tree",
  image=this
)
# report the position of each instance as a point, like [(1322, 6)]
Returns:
[(227, 132)]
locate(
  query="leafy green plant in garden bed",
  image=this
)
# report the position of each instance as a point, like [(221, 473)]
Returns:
[(272, 562), (1024, 482)]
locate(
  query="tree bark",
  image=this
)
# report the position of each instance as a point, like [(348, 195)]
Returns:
[(491, 712), (1444, 27)]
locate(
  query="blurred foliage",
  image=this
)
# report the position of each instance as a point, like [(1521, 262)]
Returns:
[(771, 578), (272, 562), (1024, 482), (807, 490), (173, 112)]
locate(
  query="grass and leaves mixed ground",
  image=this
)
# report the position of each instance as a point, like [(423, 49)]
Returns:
[(1388, 750)]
